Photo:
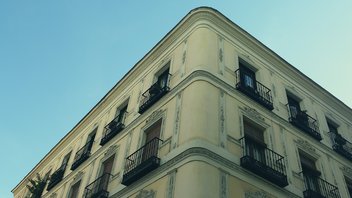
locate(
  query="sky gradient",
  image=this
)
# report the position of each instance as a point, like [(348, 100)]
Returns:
[(59, 58)]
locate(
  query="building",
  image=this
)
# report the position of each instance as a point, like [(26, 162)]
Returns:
[(208, 112)]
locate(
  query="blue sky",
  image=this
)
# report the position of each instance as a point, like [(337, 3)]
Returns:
[(59, 58)]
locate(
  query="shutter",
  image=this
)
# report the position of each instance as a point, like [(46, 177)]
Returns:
[(253, 132), (153, 131), (107, 165)]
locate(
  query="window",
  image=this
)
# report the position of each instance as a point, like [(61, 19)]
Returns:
[(90, 139), (74, 190), (57, 176), (247, 77), (156, 90), (254, 136), (163, 78), (153, 132), (294, 106), (46, 176), (145, 159), (65, 161), (332, 128), (107, 165), (349, 186), (121, 114), (116, 125), (310, 174)]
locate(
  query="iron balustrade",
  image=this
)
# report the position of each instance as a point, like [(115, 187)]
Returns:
[(113, 128), (257, 92), (56, 177), (141, 162), (82, 155), (153, 94), (341, 145), (304, 122), (98, 188), (315, 187), (263, 161)]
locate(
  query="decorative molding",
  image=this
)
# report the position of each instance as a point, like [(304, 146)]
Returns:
[(155, 116), (184, 57), (78, 176), (171, 184), (222, 120), (146, 194), (256, 194), (110, 151), (221, 54), (223, 185), (252, 113), (54, 195), (347, 171), (306, 146), (177, 121)]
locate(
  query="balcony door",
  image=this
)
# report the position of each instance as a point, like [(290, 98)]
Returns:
[(294, 107), (107, 165), (255, 146), (349, 186), (65, 161), (74, 190), (121, 115), (90, 140), (310, 174), (247, 78), (163, 78), (106, 171), (151, 147)]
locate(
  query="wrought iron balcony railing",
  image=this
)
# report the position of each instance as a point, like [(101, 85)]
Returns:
[(341, 145), (263, 161), (98, 188), (56, 177), (113, 128), (315, 187), (82, 155), (153, 94), (258, 92), (141, 162), (303, 121)]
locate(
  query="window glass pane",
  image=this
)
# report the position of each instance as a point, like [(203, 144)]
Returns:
[(75, 190), (332, 128)]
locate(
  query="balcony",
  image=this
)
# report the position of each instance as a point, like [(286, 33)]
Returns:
[(82, 155), (341, 145), (259, 93), (263, 162), (98, 188), (152, 95), (56, 177), (113, 128), (141, 162), (315, 187), (303, 121)]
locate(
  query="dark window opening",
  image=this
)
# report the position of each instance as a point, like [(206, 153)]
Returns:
[(75, 190)]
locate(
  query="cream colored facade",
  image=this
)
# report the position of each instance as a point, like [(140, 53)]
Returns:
[(203, 117)]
